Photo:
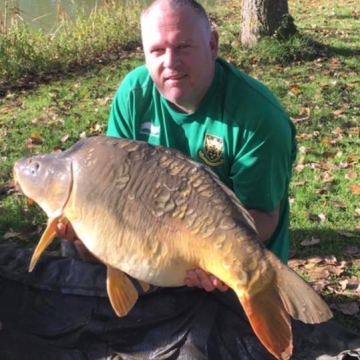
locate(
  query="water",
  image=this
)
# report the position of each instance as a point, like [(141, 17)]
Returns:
[(42, 14)]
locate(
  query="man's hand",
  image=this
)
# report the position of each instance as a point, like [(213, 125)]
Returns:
[(66, 231), (204, 280)]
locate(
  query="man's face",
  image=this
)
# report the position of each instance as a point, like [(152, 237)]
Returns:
[(179, 55)]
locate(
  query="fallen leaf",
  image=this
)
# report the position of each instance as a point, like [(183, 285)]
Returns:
[(338, 112), (346, 233), (337, 270), (64, 138), (328, 154), (309, 242), (351, 175), (338, 204), (322, 217), (295, 263), (315, 259), (330, 259), (10, 234), (348, 309), (343, 283), (294, 90), (351, 250), (319, 285), (355, 189), (354, 158), (298, 183)]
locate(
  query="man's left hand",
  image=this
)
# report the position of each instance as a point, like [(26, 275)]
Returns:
[(204, 280)]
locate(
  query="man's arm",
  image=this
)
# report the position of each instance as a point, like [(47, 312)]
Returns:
[(265, 222)]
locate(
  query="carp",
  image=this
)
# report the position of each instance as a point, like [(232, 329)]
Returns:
[(153, 213)]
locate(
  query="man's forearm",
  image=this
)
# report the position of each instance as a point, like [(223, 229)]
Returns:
[(265, 223)]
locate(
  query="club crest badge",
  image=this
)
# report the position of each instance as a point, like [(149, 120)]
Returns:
[(214, 148)]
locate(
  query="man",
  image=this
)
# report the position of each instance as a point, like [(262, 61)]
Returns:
[(184, 98), (187, 98)]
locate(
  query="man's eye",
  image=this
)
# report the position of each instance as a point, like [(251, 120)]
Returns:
[(184, 46), (157, 51)]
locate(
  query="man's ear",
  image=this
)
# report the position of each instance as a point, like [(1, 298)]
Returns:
[(214, 44)]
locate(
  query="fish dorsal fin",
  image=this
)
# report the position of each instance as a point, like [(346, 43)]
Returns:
[(122, 293), (46, 239), (144, 285)]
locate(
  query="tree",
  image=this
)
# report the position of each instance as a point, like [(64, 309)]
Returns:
[(265, 18)]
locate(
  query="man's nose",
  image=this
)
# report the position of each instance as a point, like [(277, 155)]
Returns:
[(171, 59)]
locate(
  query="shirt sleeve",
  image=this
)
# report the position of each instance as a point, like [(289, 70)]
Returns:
[(262, 167)]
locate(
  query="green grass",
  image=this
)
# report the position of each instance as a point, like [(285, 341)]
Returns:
[(316, 76)]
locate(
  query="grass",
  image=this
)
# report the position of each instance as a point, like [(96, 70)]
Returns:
[(63, 95), (75, 41)]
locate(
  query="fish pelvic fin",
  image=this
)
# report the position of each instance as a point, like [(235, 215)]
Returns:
[(45, 240), (122, 292), (144, 285)]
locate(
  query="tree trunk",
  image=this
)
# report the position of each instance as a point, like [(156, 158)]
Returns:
[(264, 18)]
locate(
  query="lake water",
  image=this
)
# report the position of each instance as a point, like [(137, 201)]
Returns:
[(41, 14)]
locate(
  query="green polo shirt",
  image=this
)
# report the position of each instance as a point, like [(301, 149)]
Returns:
[(239, 130)]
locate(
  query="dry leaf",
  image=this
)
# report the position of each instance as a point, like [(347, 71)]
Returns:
[(346, 233), (319, 285), (330, 259), (328, 154), (294, 90), (348, 309), (354, 158), (298, 183), (64, 138), (338, 204), (355, 189), (309, 242), (10, 234), (351, 250), (351, 175), (295, 263), (315, 259)]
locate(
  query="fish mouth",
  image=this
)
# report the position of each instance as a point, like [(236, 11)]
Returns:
[(16, 183)]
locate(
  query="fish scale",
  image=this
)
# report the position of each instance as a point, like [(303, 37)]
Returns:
[(154, 214)]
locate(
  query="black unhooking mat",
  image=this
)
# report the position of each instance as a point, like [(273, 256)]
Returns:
[(60, 311)]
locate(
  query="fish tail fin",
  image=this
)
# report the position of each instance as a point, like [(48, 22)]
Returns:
[(278, 294), (269, 320), (300, 300)]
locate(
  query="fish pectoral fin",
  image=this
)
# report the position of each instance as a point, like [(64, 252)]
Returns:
[(269, 320), (144, 285), (122, 292), (45, 240)]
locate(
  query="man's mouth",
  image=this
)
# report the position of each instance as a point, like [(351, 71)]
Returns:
[(175, 77)]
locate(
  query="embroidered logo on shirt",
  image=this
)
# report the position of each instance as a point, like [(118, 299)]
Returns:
[(214, 147), (147, 128)]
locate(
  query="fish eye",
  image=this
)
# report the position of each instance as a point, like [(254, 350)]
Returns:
[(34, 167)]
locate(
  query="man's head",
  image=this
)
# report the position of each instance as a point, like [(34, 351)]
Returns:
[(180, 50)]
